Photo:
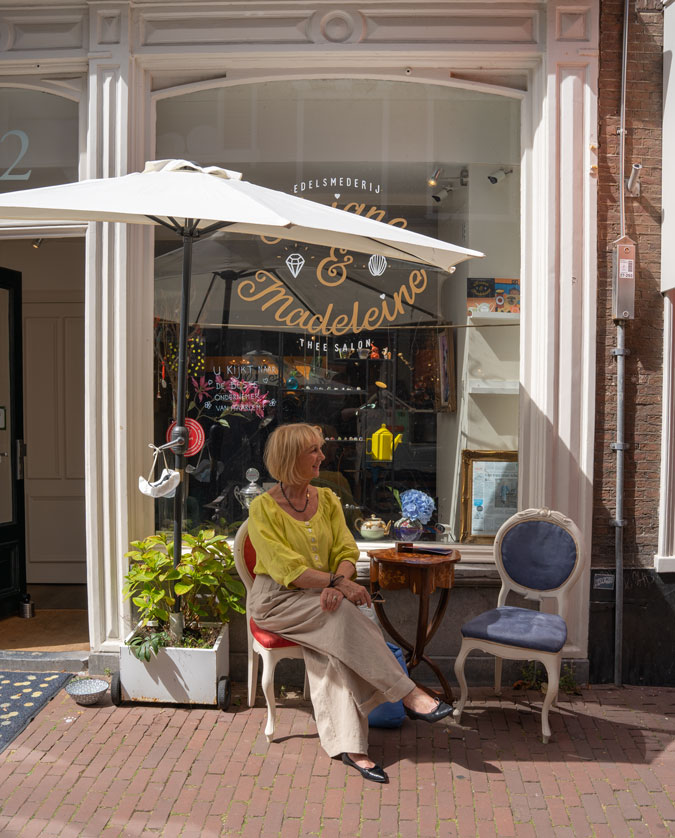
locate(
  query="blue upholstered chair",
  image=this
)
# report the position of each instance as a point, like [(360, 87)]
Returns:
[(538, 553)]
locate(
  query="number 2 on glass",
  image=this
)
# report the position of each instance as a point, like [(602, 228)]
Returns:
[(23, 138)]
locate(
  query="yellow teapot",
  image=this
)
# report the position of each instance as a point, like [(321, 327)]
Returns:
[(382, 444)]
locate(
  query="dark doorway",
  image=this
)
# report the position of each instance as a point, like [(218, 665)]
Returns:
[(12, 505)]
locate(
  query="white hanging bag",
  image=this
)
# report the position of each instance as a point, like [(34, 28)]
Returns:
[(165, 485)]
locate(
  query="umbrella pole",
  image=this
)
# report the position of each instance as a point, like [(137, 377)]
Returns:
[(180, 432)]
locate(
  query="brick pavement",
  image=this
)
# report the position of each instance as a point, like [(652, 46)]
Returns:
[(609, 770)]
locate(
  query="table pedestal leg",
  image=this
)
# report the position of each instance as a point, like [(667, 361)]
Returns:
[(424, 634)]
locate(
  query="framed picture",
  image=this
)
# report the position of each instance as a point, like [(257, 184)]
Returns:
[(489, 493), (3, 419), (447, 377)]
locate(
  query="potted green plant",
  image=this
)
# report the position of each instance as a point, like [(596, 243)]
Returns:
[(156, 662)]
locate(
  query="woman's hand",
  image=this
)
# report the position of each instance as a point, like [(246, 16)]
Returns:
[(331, 598), (354, 592)]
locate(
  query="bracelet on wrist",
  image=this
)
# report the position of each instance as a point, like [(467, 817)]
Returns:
[(333, 580)]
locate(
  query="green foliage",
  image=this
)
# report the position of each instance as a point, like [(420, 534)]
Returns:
[(207, 586), (204, 580), (142, 646), (223, 528), (568, 682), (533, 675), (530, 677), (148, 582), (196, 641)]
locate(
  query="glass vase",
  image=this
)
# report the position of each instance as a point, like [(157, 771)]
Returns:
[(408, 529)]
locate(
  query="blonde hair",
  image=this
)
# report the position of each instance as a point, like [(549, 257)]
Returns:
[(283, 447)]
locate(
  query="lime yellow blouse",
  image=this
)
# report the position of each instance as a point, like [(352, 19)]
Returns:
[(285, 548)]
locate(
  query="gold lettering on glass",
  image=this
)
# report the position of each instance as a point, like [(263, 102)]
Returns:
[(331, 271)]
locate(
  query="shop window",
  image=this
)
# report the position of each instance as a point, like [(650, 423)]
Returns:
[(38, 139), (359, 345)]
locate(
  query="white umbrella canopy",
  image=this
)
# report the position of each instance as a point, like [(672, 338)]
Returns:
[(193, 201), (167, 190)]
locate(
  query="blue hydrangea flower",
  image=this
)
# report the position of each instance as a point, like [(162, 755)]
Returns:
[(417, 506)]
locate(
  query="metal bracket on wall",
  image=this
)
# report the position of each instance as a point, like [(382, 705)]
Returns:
[(621, 351), (615, 523), (619, 446)]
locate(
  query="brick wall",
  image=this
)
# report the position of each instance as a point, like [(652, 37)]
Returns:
[(644, 335)]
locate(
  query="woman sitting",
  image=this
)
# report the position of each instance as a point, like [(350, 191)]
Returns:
[(304, 590)]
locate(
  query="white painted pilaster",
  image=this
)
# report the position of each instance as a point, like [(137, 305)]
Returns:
[(664, 561), (559, 279), (117, 338)]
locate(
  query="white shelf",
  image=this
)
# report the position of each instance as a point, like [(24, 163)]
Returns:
[(493, 318), (492, 387)]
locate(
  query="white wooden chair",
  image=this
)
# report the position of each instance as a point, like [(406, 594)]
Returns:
[(261, 644), (538, 553)]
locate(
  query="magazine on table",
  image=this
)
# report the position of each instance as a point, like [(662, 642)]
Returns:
[(431, 549)]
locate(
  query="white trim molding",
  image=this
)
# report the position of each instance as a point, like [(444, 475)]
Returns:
[(664, 561), (664, 564)]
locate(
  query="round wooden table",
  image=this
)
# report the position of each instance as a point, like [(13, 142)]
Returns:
[(420, 573)]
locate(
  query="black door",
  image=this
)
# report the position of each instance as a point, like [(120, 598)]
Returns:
[(12, 525)]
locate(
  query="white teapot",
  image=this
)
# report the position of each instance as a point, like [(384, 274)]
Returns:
[(372, 528)]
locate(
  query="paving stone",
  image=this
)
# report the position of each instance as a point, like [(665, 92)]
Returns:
[(609, 770)]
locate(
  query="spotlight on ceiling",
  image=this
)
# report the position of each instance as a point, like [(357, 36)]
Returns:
[(36, 243), (498, 175), (432, 180), (442, 194)]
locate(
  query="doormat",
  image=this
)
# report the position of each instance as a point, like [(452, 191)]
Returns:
[(22, 696)]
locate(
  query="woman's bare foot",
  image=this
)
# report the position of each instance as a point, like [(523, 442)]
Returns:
[(419, 701), (366, 767), (362, 760)]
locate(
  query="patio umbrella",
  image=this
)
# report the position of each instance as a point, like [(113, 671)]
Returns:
[(193, 201)]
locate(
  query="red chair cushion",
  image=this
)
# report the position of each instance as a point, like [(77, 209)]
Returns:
[(269, 639), (249, 555)]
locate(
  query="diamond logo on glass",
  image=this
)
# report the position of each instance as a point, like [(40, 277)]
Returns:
[(295, 264)]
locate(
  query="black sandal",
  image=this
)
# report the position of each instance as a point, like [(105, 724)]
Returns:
[(376, 774), (439, 712)]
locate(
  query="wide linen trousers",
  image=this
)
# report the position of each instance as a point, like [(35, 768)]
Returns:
[(349, 666)]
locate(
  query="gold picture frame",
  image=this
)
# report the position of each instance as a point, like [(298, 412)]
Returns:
[(489, 493), (447, 376)]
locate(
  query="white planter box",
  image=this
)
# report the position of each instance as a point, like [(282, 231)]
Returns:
[(176, 675)]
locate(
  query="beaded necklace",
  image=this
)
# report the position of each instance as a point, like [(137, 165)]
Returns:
[(295, 508)]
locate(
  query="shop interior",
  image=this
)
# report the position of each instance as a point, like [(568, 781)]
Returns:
[(406, 372)]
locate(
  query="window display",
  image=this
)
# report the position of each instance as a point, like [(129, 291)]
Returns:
[(375, 351), (374, 397)]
